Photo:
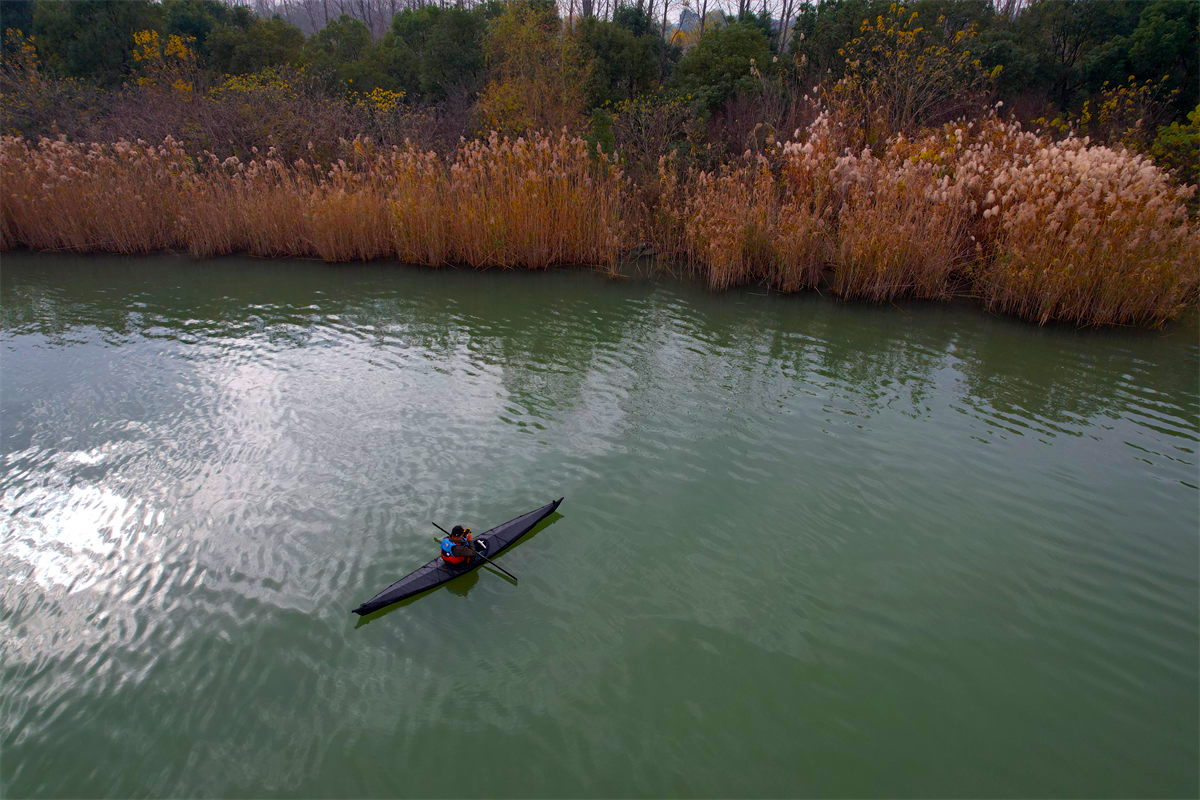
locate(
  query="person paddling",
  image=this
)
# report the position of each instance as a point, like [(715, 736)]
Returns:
[(458, 548)]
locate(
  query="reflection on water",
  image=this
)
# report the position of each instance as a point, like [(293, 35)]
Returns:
[(807, 547)]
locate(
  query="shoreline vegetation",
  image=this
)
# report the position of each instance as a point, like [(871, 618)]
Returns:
[(870, 197), (1046, 231)]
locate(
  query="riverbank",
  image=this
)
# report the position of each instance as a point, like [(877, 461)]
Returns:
[(1043, 230)]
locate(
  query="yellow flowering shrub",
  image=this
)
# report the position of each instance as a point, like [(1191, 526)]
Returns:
[(270, 85), (380, 100), (1127, 114), (168, 67), (899, 77), (20, 55)]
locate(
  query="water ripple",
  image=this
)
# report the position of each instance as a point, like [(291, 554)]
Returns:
[(807, 548)]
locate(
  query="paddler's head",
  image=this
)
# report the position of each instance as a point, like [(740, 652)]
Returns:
[(458, 532)]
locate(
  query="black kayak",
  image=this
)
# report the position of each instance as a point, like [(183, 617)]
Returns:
[(437, 572)]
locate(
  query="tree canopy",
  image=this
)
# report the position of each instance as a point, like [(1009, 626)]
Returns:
[(1055, 54)]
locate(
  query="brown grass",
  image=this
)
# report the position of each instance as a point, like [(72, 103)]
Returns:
[(1047, 231), (901, 235), (119, 199), (532, 202), (1092, 236)]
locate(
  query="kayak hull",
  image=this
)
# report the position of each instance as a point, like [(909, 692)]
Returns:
[(437, 572)]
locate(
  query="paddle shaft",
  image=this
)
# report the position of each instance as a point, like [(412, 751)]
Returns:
[(481, 555)]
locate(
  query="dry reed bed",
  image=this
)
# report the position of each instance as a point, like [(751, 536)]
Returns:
[(530, 203), (1047, 231)]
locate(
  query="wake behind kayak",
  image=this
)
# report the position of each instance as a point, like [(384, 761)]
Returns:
[(437, 572)]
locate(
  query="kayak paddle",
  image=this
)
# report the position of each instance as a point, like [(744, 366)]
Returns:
[(481, 555)]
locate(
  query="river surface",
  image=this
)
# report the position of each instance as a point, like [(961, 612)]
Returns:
[(807, 547)]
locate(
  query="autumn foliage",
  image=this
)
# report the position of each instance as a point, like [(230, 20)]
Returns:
[(888, 193)]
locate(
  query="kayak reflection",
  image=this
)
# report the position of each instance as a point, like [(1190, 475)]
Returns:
[(460, 586), (463, 586)]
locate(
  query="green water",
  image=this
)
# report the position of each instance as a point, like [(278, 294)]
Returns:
[(807, 548)]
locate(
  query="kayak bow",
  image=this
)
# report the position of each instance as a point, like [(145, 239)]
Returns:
[(437, 572)]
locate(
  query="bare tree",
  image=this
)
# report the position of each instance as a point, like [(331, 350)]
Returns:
[(787, 9), (313, 15), (1011, 8)]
